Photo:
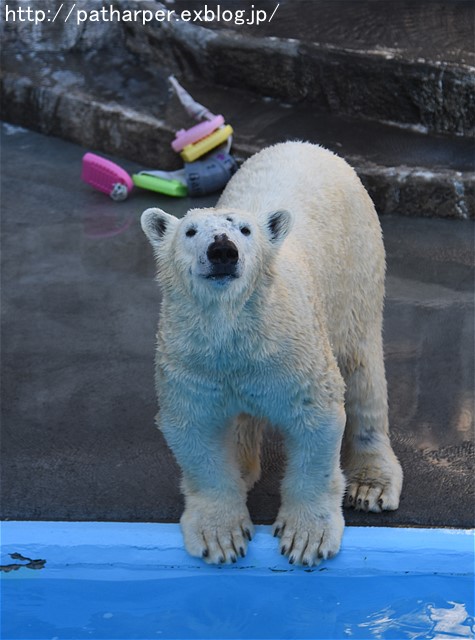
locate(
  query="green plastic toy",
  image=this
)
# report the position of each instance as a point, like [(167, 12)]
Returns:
[(162, 185)]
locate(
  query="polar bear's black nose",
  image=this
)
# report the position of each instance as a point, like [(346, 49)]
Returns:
[(222, 252)]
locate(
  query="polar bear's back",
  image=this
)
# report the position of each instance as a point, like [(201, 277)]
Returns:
[(336, 237), (313, 183)]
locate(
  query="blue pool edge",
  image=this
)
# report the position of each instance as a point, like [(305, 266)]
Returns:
[(145, 548)]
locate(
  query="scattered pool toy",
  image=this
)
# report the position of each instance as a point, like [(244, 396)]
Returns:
[(211, 174), (204, 137), (185, 137), (196, 110), (156, 181), (201, 147), (106, 176), (205, 148), (196, 179)]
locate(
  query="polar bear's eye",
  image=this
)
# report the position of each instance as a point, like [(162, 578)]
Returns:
[(245, 231), (190, 233)]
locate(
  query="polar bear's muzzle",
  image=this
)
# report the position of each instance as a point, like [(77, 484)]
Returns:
[(223, 257)]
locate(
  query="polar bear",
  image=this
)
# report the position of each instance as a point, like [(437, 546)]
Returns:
[(271, 314)]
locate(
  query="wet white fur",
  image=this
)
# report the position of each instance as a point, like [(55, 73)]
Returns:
[(294, 341)]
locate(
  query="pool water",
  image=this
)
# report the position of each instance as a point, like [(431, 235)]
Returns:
[(99, 582), (239, 606)]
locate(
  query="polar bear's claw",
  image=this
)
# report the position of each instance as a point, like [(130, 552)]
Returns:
[(218, 537), (224, 547), (307, 539), (374, 482), (375, 498), (364, 497)]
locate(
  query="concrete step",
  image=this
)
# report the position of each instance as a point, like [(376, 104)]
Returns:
[(108, 101), (410, 64)]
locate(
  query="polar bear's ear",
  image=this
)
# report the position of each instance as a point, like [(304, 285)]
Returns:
[(155, 224), (278, 225)]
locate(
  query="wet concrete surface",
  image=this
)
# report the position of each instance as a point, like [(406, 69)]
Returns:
[(80, 305)]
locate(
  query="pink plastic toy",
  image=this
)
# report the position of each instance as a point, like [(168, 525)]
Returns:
[(106, 176), (184, 137)]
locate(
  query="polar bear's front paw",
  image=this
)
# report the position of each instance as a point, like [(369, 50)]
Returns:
[(374, 481), (306, 538), (216, 532)]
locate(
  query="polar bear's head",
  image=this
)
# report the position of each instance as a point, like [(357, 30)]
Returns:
[(212, 251)]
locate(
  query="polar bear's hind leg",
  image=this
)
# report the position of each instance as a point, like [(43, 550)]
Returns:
[(373, 473)]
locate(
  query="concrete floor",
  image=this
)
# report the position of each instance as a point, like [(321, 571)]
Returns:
[(80, 306)]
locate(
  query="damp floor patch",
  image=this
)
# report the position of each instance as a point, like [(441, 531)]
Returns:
[(120, 581)]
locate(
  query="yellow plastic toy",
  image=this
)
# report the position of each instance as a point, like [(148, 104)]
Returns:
[(197, 149)]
